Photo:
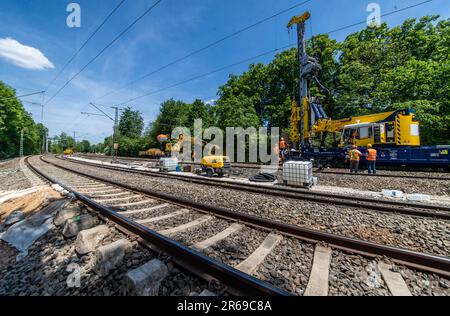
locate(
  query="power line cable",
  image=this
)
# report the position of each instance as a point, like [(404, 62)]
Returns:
[(206, 74), (105, 48), (85, 43), (22, 96), (260, 55), (382, 16), (207, 47)]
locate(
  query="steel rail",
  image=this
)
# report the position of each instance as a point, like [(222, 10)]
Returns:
[(426, 262), (384, 175), (412, 209), (258, 166), (190, 259)]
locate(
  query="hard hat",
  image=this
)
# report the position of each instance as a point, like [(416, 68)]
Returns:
[(369, 145), (282, 138)]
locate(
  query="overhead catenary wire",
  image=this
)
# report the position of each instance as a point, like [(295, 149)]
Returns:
[(206, 47), (85, 43), (206, 74), (105, 48), (22, 96), (261, 55), (381, 16)]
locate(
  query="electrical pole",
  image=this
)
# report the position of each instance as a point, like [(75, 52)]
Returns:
[(43, 143), (115, 127), (116, 123), (43, 127), (21, 143)]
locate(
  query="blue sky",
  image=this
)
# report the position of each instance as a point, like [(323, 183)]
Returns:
[(173, 29)]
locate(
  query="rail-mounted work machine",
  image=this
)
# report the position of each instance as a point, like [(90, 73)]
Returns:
[(395, 134)]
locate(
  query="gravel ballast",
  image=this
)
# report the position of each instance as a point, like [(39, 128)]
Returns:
[(12, 177), (288, 265), (48, 270), (360, 182), (421, 234)]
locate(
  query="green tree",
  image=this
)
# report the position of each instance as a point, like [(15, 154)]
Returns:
[(84, 146), (13, 119), (131, 123), (198, 110), (172, 114)]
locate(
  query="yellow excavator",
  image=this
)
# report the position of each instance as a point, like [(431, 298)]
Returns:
[(69, 152)]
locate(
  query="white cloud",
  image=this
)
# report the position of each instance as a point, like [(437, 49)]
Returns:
[(210, 102), (23, 56)]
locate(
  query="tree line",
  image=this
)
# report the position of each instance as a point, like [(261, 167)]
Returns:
[(13, 120), (374, 70)]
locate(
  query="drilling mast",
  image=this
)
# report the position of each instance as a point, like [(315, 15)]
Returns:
[(308, 69)]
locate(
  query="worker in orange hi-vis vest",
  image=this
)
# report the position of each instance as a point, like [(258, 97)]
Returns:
[(283, 148), (276, 150), (371, 159), (355, 155)]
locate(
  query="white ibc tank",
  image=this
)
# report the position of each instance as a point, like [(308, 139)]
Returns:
[(168, 164), (298, 173)]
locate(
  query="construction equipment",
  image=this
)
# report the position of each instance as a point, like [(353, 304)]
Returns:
[(215, 165), (395, 134), (152, 153), (69, 152), (192, 142), (180, 143)]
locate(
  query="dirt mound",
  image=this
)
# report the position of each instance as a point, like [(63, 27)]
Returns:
[(29, 204)]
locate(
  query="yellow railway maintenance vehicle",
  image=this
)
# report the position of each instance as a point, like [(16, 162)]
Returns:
[(395, 134)]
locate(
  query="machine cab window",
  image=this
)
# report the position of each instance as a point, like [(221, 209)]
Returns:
[(354, 133), (350, 135)]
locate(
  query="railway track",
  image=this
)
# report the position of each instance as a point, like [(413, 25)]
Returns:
[(143, 212), (384, 175), (406, 208), (318, 171)]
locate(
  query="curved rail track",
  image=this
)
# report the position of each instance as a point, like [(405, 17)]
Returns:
[(99, 195), (413, 209), (157, 218)]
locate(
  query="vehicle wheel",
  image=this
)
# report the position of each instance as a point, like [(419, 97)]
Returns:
[(220, 173), (209, 173)]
